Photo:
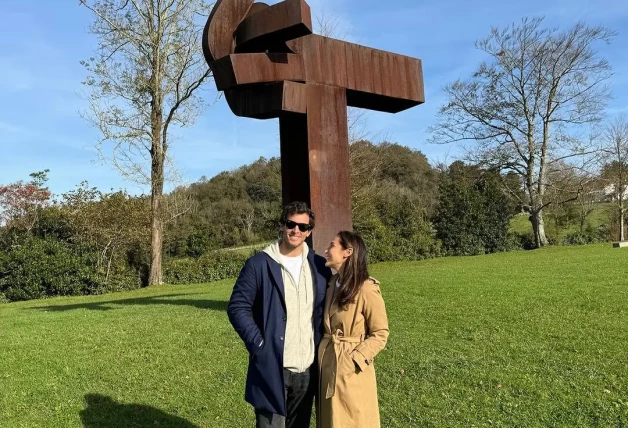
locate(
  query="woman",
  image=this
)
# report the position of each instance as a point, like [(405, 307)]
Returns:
[(356, 329)]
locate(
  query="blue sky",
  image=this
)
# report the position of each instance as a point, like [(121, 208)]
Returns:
[(42, 42)]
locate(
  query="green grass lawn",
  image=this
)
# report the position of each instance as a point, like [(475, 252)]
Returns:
[(522, 339), (601, 214), (247, 249)]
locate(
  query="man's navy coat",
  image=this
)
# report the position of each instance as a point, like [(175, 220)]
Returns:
[(257, 311)]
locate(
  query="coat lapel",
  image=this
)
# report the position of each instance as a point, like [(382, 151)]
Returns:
[(275, 273), (331, 302)]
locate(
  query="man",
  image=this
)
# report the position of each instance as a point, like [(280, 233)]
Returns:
[(277, 309)]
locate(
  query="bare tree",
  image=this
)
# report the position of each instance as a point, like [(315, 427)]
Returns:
[(587, 202), (614, 154), (366, 161), (178, 203), (247, 219), (330, 25), (143, 81), (572, 185), (528, 107)]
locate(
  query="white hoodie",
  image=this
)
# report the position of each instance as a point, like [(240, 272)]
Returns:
[(298, 354)]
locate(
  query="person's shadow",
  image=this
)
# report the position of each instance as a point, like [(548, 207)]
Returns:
[(105, 412)]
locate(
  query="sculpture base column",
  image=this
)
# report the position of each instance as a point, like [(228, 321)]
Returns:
[(315, 161)]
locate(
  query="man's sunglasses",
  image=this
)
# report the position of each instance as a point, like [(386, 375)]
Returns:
[(303, 227)]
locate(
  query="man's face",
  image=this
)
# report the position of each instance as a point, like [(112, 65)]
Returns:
[(294, 237)]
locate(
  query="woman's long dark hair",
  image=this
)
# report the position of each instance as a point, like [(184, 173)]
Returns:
[(355, 268)]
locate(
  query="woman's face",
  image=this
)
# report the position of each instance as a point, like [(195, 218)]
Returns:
[(336, 255)]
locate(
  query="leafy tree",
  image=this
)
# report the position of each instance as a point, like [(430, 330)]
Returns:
[(233, 208), (393, 192), (111, 223), (474, 213), (378, 166), (21, 203), (410, 169)]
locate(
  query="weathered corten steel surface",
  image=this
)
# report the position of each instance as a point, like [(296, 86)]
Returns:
[(270, 65), (244, 69), (270, 26)]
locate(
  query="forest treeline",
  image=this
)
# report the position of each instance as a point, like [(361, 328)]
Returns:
[(88, 242)]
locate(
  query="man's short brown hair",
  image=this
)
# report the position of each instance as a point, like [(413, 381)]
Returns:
[(297, 207)]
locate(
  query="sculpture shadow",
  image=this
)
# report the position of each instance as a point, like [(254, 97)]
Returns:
[(172, 299), (105, 412)]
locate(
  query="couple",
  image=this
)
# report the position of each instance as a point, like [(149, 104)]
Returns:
[(309, 333)]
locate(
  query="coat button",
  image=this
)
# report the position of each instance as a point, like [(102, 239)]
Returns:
[(284, 319), (281, 338)]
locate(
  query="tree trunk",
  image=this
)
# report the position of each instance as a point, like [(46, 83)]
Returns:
[(538, 226), (583, 220), (621, 224), (109, 266), (158, 156), (157, 221)]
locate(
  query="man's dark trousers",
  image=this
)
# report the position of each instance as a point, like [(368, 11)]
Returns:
[(299, 388)]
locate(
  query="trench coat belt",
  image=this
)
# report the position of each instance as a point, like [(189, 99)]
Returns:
[(337, 338)]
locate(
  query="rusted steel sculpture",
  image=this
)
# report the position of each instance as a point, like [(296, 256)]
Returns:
[(269, 64)]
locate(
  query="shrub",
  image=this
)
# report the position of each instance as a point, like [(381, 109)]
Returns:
[(590, 235), (37, 268), (576, 238), (522, 240), (473, 213), (211, 266), (398, 233)]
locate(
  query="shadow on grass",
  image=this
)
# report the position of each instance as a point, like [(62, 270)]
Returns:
[(105, 412), (214, 305)]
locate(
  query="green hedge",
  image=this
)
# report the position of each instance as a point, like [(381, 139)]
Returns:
[(39, 268), (414, 241), (211, 266)]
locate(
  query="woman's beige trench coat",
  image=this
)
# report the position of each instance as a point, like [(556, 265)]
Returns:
[(353, 337)]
